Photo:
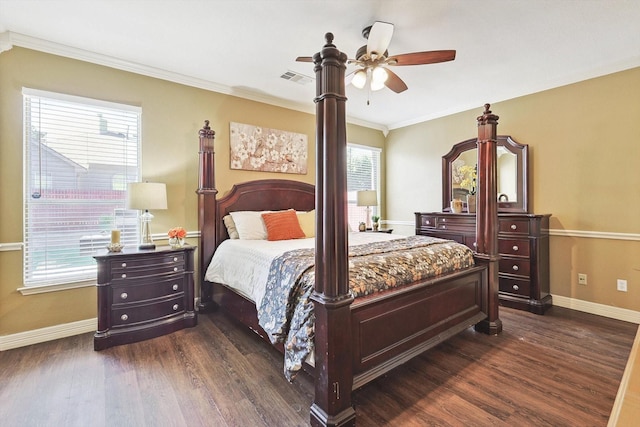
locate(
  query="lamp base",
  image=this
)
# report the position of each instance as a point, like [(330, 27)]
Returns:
[(147, 246)]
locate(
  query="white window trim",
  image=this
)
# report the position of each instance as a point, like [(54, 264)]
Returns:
[(42, 289), (81, 100), (365, 147)]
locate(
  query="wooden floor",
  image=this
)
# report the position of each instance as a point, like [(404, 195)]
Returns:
[(560, 369)]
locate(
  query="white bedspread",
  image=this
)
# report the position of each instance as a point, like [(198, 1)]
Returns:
[(244, 264)]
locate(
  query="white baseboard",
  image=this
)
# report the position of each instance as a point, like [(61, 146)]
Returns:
[(22, 339), (624, 314)]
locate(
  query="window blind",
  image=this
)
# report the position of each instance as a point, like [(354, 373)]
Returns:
[(363, 173), (80, 154)]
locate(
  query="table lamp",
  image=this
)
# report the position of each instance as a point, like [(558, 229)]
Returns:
[(145, 196), (368, 198)]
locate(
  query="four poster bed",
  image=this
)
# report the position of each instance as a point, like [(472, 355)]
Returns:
[(355, 339)]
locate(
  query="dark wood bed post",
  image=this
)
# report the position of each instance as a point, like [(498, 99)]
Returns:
[(487, 217), (206, 211), (332, 299)]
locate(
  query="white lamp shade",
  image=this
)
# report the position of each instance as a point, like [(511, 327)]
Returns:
[(146, 195), (359, 79), (367, 198), (378, 77)]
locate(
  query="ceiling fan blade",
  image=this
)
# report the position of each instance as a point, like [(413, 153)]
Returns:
[(304, 59), (379, 37), (419, 58), (394, 82)]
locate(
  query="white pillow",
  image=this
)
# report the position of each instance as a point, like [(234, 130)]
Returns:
[(231, 227), (250, 225), (307, 222)]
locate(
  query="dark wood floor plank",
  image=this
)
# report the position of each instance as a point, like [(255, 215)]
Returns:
[(560, 369)]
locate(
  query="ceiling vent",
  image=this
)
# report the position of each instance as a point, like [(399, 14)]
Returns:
[(297, 77)]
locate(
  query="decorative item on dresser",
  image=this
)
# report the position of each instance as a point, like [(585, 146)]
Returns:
[(143, 294)]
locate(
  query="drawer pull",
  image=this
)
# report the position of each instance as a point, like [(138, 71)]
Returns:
[(515, 268), (444, 219), (124, 317), (516, 287), (513, 226), (175, 259), (444, 227), (427, 222), (175, 287), (515, 247), (175, 268), (124, 264), (175, 307), (124, 295), (124, 276)]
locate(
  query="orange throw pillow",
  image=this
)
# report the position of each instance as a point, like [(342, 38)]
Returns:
[(282, 225)]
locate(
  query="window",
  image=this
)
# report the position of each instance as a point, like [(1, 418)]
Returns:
[(79, 155), (363, 173)]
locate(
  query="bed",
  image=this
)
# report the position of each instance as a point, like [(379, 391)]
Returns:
[(356, 339)]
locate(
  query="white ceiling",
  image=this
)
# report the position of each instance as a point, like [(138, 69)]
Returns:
[(505, 48)]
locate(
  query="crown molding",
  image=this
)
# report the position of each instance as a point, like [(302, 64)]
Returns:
[(9, 39), (5, 41)]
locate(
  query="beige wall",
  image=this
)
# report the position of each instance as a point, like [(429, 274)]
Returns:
[(172, 114), (584, 142)]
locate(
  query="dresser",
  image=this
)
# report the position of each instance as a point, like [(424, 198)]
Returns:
[(523, 245), (143, 294)]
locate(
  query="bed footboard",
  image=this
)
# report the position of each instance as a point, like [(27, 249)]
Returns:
[(388, 331)]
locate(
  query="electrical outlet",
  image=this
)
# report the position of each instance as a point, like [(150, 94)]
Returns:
[(622, 285), (582, 279)]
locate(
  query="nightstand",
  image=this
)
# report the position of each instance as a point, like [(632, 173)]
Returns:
[(144, 294)]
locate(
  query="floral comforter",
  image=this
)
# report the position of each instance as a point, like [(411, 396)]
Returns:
[(286, 311)]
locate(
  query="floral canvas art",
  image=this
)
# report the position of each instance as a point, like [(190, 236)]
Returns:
[(267, 150)]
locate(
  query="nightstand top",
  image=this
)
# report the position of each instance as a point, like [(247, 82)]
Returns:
[(380, 230), (135, 251)]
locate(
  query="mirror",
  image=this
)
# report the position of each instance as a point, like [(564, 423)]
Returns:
[(458, 167)]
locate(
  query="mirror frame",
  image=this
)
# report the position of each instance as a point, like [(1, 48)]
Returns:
[(521, 152)]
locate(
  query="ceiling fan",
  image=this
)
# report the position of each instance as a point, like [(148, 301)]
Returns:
[(373, 58)]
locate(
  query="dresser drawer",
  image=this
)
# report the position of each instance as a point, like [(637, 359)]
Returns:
[(517, 247), (460, 223), (157, 260), (129, 270), (136, 313), (146, 291), (427, 221), (511, 225), (515, 286), (521, 267)]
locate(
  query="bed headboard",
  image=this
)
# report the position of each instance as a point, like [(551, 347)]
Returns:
[(263, 195)]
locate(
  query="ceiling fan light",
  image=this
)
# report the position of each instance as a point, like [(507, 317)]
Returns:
[(359, 79), (379, 75), (376, 85)]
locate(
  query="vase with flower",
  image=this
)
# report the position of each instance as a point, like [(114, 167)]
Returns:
[(376, 222), (470, 175), (176, 237)]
